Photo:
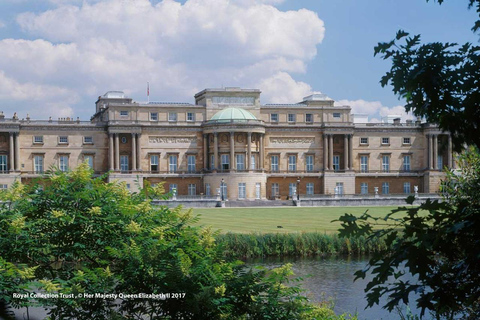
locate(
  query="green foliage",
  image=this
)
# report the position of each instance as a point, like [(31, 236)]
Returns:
[(72, 235), (439, 81), (294, 244), (440, 248)]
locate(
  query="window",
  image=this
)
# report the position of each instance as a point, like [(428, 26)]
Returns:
[(3, 164), (63, 163), (292, 163), (225, 161), (309, 163), (339, 188), (336, 114), (223, 190), (124, 163), (124, 113), (192, 189), (406, 140), (88, 158), (309, 118), (208, 190), (258, 190), (291, 117), (3, 186), (274, 117), (364, 188), (336, 163), (190, 116), (172, 163), (310, 188), (385, 188), (406, 163), (241, 190), (363, 140), (154, 163), (439, 162), (124, 140), (128, 186), (292, 189), (253, 164), (274, 163), (172, 116), (63, 139), (275, 190), (212, 162), (240, 162), (38, 139), (385, 140), (406, 187), (385, 163), (173, 188), (38, 164), (191, 167), (153, 116), (88, 140), (363, 163)]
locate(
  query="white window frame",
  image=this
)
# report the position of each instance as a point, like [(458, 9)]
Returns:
[(38, 139), (307, 116), (336, 163), (253, 162), (63, 160), (385, 141), (225, 161), (364, 140), (3, 163), (440, 162), (62, 139), (124, 163), (274, 117), (154, 161), (292, 118), (191, 116), (407, 188), (337, 115), (274, 163), (364, 163), (212, 162), (407, 141), (240, 162), (407, 163), (191, 163), (89, 159), (275, 190), (123, 113), (292, 189), (364, 188), (242, 190), (309, 162), (208, 190), (87, 140), (385, 163), (310, 188), (173, 186), (339, 188), (153, 116), (192, 189), (385, 188), (38, 161), (172, 117), (292, 162), (172, 163)]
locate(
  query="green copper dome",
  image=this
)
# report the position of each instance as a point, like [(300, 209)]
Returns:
[(233, 114)]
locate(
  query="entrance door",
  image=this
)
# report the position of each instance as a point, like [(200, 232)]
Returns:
[(257, 190)]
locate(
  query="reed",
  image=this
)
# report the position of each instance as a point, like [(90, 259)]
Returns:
[(253, 245)]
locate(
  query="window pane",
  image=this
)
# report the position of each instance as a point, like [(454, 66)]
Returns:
[(154, 163), (89, 160), (241, 190), (364, 188), (63, 163), (124, 163), (191, 163), (336, 163), (172, 163), (309, 163), (292, 163), (310, 190), (274, 163), (240, 162)]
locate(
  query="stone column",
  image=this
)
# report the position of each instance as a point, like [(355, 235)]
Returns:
[(134, 151), (345, 152), (17, 152), (325, 152), (205, 151), (430, 151), (435, 152), (249, 150), (261, 160), (139, 154), (117, 152), (12, 153), (215, 151), (330, 151), (111, 152), (232, 151), (350, 152), (450, 152)]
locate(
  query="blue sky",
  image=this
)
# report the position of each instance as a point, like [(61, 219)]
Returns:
[(57, 56)]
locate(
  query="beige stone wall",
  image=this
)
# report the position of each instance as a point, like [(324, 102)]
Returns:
[(331, 179), (232, 180)]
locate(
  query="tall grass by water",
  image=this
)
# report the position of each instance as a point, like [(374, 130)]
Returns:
[(294, 244)]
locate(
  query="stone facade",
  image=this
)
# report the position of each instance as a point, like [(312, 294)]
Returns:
[(312, 146)]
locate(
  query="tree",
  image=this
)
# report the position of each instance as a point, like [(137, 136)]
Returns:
[(69, 235), (439, 81), (437, 242)]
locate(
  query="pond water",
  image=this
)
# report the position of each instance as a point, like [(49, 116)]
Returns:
[(332, 278)]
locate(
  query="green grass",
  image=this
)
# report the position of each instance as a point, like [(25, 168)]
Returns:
[(292, 219)]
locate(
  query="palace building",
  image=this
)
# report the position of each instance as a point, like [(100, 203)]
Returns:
[(227, 139)]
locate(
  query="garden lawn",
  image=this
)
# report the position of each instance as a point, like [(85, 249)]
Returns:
[(291, 219)]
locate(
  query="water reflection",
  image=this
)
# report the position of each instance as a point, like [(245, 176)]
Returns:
[(333, 276)]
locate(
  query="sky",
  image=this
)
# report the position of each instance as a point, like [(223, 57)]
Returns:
[(58, 56)]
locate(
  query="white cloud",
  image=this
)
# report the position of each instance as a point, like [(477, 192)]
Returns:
[(375, 109), (92, 46)]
